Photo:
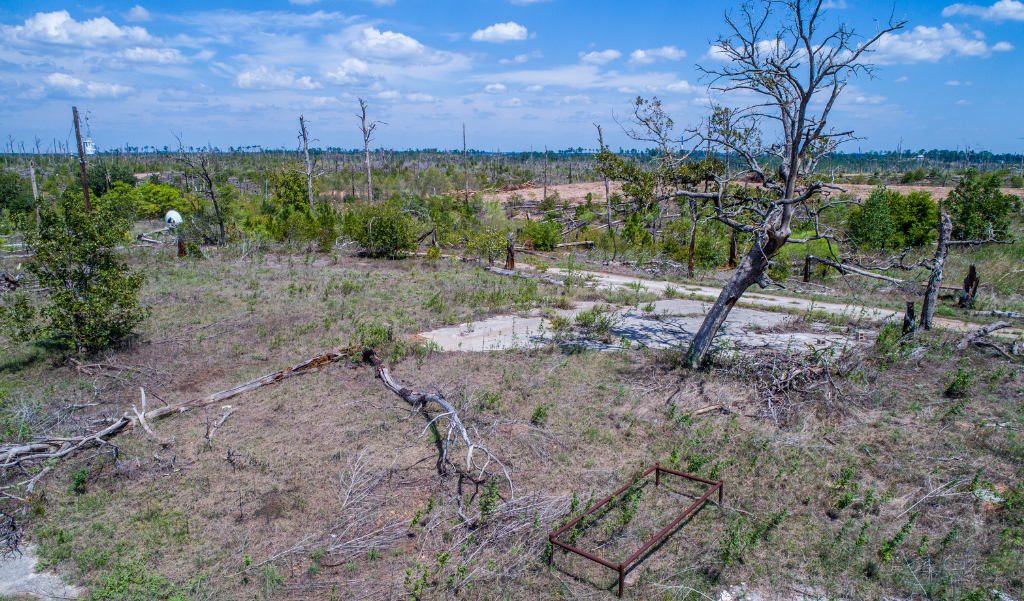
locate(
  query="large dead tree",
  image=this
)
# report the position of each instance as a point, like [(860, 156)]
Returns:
[(304, 134), (201, 164), (367, 129), (780, 52)]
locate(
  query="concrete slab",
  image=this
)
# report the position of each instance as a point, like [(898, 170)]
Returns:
[(18, 576)]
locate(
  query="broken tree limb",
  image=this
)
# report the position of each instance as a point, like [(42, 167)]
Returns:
[(54, 447), (844, 269), (1008, 314), (419, 400), (985, 331)]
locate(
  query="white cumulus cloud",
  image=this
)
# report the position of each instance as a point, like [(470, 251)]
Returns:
[(389, 46), (1004, 10), (534, 88), (77, 88), (264, 78), (156, 56), (495, 88), (137, 13), (511, 103), (669, 53), (500, 33), (351, 69), (59, 28), (930, 44), (682, 86), (599, 58), (579, 99), (419, 98)]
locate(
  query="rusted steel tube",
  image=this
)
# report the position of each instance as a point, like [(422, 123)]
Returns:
[(657, 537), (585, 554), (690, 476), (599, 505)]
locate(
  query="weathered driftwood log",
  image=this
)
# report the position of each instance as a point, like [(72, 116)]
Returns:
[(985, 331), (1009, 314), (844, 269), (519, 274), (54, 447), (456, 430)]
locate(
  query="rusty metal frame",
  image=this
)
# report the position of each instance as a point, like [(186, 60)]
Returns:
[(621, 567)]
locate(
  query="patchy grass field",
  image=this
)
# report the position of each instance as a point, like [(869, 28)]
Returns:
[(891, 474)]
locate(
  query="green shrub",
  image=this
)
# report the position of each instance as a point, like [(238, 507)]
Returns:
[(888, 218), (103, 176), (93, 297), (15, 195), (381, 229), (914, 175), (977, 207), (545, 234), (325, 227), (157, 199), (134, 582), (635, 232), (1017, 181)]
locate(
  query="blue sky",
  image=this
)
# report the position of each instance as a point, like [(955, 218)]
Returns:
[(520, 74)]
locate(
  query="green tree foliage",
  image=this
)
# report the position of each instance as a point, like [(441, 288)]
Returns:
[(383, 230), (92, 298), (544, 234), (890, 219), (978, 208), (15, 194), (103, 176), (157, 199)]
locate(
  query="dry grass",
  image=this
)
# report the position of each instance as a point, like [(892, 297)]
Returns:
[(326, 486)]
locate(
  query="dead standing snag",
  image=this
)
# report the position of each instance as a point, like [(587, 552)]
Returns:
[(797, 72)]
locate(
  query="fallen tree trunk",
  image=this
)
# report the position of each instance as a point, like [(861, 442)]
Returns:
[(1009, 314), (985, 331), (53, 447), (519, 274), (418, 401), (844, 269)]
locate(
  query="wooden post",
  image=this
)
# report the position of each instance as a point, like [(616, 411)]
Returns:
[(81, 161)]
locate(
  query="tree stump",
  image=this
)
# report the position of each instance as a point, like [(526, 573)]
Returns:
[(182, 249), (970, 289), (908, 320), (510, 252)]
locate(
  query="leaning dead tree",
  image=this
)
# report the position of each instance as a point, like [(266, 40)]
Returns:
[(779, 52), (367, 130)]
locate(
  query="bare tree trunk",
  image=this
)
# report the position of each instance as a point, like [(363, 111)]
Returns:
[(309, 168), (608, 198), (749, 272), (693, 238), (931, 295), (545, 173), (35, 189), (465, 162), (81, 161), (367, 136)]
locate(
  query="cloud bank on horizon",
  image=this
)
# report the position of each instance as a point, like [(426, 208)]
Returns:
[(519, 73)]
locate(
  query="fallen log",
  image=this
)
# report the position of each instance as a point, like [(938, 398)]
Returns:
[(54, 447), (1008, 314), (419, 400), (985, 331), (844, 269)]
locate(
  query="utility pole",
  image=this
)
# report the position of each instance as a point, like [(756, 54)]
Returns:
[(465, 161), (81, 161)]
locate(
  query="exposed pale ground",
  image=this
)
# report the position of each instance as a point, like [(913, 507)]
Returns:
[(18, 577), (673, 322)]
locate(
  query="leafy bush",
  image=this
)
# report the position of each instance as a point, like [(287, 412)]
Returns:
[(488, 245), (977, 207), (93, 298), (103, 176), (545, 234), (133, 582), (15, 196), (914, 175), (325, 227), (157, 199), (634, 231), (890, 218), (381, 229), (1017, 181)]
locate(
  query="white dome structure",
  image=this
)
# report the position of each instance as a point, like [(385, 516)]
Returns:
[(172, 219)]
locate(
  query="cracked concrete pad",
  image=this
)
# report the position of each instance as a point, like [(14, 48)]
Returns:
[(672, 323), (18, 576)]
